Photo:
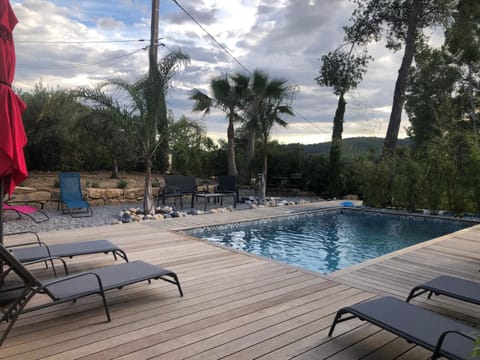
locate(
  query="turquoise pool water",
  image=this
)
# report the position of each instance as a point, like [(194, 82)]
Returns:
[(329, 241)]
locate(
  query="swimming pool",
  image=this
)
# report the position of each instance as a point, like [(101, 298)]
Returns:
[(326, 241)]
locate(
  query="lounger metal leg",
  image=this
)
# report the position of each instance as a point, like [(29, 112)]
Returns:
[(414, 293), (338, 319), (105, 306), (15, 309), (178, 284), (120, 253), (174, 281)]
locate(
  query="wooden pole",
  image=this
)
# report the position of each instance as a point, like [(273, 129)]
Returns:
[(153, 53)]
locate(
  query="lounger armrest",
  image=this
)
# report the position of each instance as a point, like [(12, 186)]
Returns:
[(49, 258), (24, 232), (99, 280), (45, 259), (39, 243), (441, 339)]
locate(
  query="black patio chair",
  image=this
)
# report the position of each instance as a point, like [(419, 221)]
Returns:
[(176, 186), (441, 335), (228, 184), (73, 287)]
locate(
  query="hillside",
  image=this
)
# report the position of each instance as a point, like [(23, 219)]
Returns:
[(350, 146)]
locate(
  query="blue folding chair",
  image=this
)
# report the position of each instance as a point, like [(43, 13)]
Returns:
[(71, 196)]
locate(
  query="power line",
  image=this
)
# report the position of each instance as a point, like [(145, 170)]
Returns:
[(77, 42), (80, 65), (309, 121), (212, 37), (234, 58)]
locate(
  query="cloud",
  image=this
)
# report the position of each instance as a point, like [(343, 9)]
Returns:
[(110, 23), (75, 42)]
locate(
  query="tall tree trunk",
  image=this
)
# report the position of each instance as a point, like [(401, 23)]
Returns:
[(471, 96), (335, 183), (148, 205), (163, 132), (246, 172), (115, 169), (231, 165), (263, 178), (390, 144)]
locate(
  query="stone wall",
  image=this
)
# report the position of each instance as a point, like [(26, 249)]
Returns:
[(95, 196)]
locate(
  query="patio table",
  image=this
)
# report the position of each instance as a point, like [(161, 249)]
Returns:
[(215, 197)]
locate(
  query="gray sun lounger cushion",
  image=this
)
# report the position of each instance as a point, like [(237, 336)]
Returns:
[(32, 253), (454, 287), (72, 287), (439, 334), (112, 277)]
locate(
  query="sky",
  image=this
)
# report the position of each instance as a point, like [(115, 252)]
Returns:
[(70, 43)]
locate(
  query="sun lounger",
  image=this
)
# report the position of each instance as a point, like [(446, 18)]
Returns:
[(33, 213), (461, 289), (26, 251), (71, 196), (439, 334), (72, 287), (34, 251)]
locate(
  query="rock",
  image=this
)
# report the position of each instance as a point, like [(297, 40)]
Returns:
[(24, 190), (166, 209), (126, 218), (35, 196)]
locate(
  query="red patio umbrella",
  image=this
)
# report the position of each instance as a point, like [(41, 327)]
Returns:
[(13, 169)]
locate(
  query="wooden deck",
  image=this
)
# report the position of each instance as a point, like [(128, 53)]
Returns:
[(235, 306)]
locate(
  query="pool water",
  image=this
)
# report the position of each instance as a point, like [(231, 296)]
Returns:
[(329, 241)]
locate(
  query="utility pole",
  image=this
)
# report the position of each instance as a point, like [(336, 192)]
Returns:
[(153, 53)]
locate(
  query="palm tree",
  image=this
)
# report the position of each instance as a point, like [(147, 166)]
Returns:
[(143, 112), (227, 98), (263, 104)]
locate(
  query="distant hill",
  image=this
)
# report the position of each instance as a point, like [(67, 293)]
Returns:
[(350, 146)]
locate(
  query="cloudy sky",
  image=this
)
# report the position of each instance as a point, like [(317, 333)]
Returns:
[(66, 43)]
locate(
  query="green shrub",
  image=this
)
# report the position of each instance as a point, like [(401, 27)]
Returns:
[(122, 183)]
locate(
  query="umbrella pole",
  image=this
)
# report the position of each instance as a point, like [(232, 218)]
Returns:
[(11, 288), (1, 218), (1, 228)]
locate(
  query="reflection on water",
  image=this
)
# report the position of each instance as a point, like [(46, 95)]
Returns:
[(330, 241)]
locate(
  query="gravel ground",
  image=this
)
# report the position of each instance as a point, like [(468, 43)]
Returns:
[(102, 215)]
